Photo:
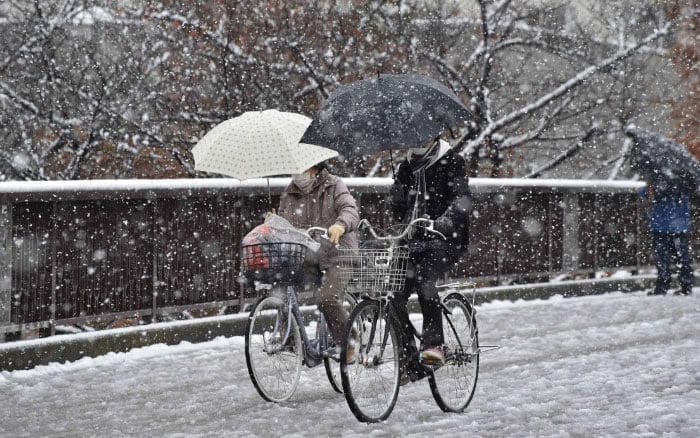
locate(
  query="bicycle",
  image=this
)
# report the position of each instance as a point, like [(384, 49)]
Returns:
[(371, 381), (276, 339)]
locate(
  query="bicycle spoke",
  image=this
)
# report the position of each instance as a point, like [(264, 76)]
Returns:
[(370, 383), (273, 350)]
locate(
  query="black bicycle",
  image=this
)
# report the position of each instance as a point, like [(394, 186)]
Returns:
[(371, 381), (276, 340)]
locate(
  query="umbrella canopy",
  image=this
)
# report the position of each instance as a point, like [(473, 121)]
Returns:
[(386, 112), (662, 162), (258, 144)]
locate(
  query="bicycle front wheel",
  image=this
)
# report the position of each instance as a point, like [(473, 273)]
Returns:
[(453, 383), (272, 352), (371, 379)]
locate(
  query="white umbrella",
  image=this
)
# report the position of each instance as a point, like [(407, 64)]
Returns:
[(258, 144)]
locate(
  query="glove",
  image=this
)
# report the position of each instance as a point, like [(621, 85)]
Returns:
[(444, 225), (334, 233), (397, 195)]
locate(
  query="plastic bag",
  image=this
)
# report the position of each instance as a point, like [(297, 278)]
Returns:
[(277, 229)]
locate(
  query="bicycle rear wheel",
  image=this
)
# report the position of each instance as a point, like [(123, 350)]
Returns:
[(453, 383), (371, 381), (332, 364), (274, 358)]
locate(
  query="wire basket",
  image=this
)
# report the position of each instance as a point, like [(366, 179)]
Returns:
[(273, 262), (376, 271)]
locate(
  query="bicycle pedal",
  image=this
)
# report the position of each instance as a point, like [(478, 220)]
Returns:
[(417, 374), (332, 353)]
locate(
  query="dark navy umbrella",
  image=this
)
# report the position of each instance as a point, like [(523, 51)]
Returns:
[(385, 112), (662, 162)]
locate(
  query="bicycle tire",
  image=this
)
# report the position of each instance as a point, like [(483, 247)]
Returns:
[(453, 384), (332, 364), (371, 381), (274, 365)]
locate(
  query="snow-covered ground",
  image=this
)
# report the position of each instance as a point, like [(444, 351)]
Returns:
[(612, 365)]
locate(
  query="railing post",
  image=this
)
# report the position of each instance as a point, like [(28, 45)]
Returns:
[(596, 232), (550, 226), (154, 258), (570, 234), (638, 229), (240, 209), (54, 266), (5, 264)]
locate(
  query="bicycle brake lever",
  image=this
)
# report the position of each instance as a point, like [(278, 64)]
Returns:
[(364, 223), (431, 227)]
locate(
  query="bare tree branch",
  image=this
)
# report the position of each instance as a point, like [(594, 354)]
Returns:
[(573, 150), (564, 88)]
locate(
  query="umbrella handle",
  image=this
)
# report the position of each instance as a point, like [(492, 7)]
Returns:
[(269, 196)]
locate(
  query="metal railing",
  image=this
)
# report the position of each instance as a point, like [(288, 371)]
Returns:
[(73, 251)]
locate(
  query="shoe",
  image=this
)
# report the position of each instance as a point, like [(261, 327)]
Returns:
[(350, 356), (684, 292), (656, 292), (412, 372), (352, 343), (433, 355), (333, 352), (288, 344)]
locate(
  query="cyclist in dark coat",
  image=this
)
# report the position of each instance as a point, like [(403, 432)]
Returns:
[(431, 183)]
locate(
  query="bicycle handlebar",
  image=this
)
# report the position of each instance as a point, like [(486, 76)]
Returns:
[(365, 223)]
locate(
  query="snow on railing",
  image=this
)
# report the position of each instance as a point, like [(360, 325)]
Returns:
[(57, 190)]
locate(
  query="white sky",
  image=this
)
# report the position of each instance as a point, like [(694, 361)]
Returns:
[(618, 364)]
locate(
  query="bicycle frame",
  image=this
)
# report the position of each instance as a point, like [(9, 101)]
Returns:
[(274, 362), (383, 302), (386, 306), (313, 351)]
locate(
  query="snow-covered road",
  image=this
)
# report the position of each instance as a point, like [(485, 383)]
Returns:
[(609, 365)]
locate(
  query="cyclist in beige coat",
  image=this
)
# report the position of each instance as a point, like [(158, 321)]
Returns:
[(317, 198)]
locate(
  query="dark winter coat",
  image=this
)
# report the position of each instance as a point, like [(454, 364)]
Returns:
[(669, 211), (447, 202)]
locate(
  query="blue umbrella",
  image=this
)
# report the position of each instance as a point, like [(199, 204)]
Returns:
[(662, 162)]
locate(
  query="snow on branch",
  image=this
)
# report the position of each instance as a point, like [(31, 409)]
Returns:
[(602, 165), (515, 141), (14, 97), (566, 154), (626, 145), (561, 90)]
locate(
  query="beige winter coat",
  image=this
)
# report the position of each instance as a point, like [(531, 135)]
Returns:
[(328, 202)]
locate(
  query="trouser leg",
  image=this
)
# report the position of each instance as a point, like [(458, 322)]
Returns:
[(685, 273), (662, 259), (429, 301), (431, 308), (422, 275), (331, 297), (405, 329)]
